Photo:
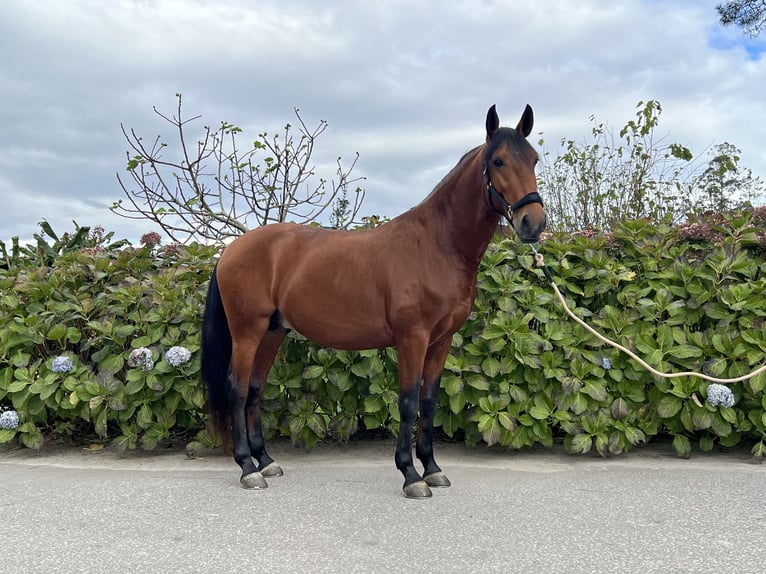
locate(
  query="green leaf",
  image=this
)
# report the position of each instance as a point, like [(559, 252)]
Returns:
[(373, 403), (491, 367), (758, 383), (491, 433), (57, 332), (317, 425), (665, 336), (47, 229), (758, 450), (539, 413), (112, 364), (20, 359), (144, 417), (478, 382), (685, 352), (669, 406), (728, 414), (7, 435), (634, 435), (506, 421), (682, 446), (581, 444), (313, 372), (31, 436), (596, 389), (341, 379), (457, 403)]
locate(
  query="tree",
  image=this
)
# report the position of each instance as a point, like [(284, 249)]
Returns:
[(725, 185), (750, 15), (632, 175), (216, 190)]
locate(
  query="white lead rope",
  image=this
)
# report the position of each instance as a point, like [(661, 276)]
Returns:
[(541, 263)]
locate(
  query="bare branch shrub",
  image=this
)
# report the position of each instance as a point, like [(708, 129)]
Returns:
[(214, 189)]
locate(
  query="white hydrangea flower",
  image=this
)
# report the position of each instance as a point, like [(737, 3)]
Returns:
[(720, 395), (177, 356), (141, 357), (61, 364), (9, 420)]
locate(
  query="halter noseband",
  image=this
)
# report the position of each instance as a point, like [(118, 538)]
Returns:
[(508, 209)]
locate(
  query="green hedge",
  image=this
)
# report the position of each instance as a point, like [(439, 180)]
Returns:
[(94, 306), (521, 372)]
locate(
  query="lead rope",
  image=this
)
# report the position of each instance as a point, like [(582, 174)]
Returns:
[(541, 263)]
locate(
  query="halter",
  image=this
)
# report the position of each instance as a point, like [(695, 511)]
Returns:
[(508, 209)]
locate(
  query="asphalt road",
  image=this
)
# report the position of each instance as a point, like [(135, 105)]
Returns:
[(340, 509)]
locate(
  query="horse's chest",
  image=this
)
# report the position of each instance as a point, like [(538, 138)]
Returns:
[(455, 307)]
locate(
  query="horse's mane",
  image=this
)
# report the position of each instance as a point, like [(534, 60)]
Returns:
[(466, 156)]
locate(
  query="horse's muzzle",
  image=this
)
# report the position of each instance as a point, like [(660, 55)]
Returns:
[(529, 228)]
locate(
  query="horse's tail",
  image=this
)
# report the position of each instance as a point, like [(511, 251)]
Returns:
[(216, 356)]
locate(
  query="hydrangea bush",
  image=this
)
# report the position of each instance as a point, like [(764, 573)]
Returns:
[(106, 344)]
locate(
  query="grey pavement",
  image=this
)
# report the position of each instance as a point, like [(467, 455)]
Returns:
[(340, 509)]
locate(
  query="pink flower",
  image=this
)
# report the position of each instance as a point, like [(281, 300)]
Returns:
[(151, 239)]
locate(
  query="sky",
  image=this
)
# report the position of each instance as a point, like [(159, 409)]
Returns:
[(405, 84)]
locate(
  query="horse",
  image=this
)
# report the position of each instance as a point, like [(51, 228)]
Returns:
[(409, 283)]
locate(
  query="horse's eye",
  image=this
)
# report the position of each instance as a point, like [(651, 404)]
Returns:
[(498, 162)]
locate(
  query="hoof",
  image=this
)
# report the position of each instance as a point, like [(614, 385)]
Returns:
[(271, 470), (253, 481), (437, 480), (417, 489)]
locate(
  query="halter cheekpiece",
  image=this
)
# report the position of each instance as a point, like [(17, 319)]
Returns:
[(508, 209)]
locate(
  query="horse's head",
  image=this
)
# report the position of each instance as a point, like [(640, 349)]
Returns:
[(509, 172)]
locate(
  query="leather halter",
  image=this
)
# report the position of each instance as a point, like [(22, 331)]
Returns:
[(508, 209)]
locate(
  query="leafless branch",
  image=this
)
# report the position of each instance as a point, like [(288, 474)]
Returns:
[(217, 191)]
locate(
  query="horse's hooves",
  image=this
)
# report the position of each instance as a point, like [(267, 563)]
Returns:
[(271, 470), (253, 481), (417, 489), (437, 480)]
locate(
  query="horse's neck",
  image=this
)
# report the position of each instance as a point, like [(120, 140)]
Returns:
[(458, 213)]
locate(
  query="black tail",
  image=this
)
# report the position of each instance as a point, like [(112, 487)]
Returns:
[(216, 356)]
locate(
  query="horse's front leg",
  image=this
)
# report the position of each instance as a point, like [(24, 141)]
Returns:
[(411, 356), (429, 398)]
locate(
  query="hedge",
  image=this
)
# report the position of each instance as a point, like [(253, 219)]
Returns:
[(521, 372)]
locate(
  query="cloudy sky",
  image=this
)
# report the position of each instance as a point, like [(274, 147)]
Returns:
[(405, 84)]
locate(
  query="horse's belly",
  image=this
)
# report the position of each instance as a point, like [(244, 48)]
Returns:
[(341, 331), (346, 336), (337, 316)]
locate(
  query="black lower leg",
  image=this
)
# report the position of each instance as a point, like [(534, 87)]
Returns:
[(240, 444), (424, 446), (255, 434), (408, 409)]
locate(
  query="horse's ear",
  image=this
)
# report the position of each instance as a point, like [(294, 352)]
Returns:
[(493, 122), (526, 122)]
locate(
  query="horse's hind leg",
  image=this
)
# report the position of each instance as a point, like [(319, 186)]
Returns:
[(264, 359), (244, 350), (429, 396)]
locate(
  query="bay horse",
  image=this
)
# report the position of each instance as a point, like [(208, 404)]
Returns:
[(409, 283)]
